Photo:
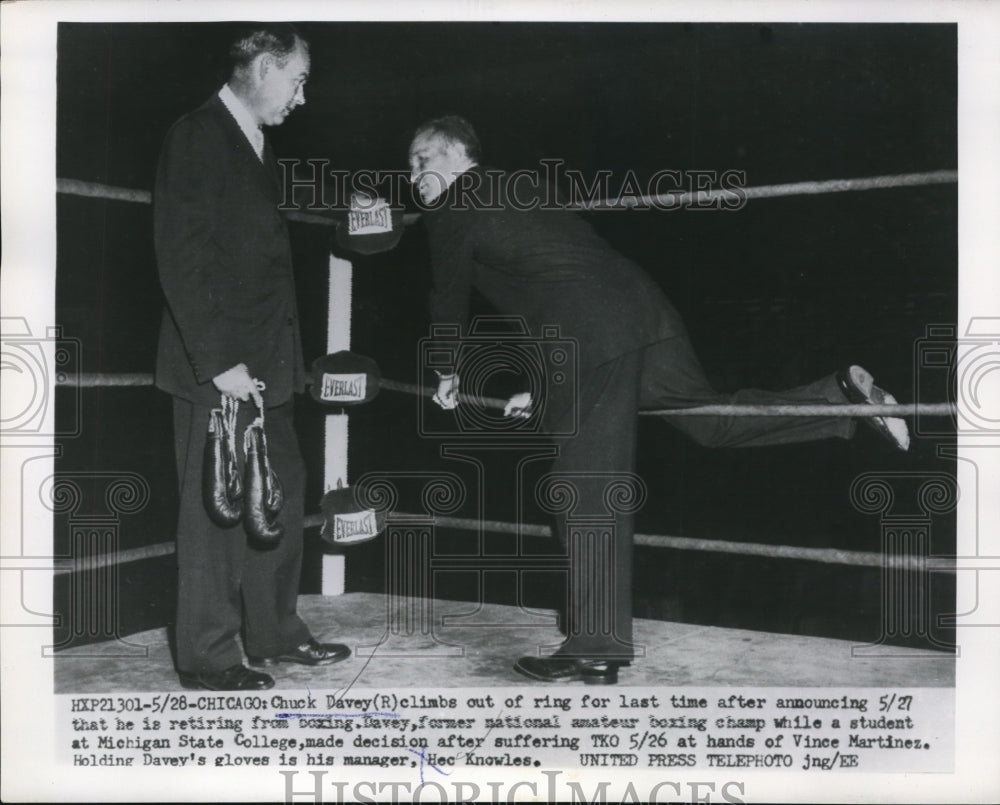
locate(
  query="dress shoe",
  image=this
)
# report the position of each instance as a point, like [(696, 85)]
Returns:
[(237, 677), (570, 669), (859, 387), (312, 652)]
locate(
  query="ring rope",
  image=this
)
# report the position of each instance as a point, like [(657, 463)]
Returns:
[(111, 380), (92, 380), (76, 187), (828, 556), (87, 563), (678, 199)]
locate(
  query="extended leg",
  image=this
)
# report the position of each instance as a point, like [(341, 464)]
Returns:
[(672, 377)]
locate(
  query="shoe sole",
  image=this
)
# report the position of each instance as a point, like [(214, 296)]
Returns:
[(194, 685), (875, 396), (587, 675), (271, 662)]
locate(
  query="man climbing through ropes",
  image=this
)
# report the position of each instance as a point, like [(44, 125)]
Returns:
[(549, 267)]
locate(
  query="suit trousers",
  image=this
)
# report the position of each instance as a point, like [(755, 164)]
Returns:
[(597, 538), (224, 581)]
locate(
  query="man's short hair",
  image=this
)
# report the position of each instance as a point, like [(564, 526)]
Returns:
[(280, 39), (454, 129)]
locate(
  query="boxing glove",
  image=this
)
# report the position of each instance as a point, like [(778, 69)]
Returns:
[(262, 490), (221, 486), (274, 494), (234, 479)]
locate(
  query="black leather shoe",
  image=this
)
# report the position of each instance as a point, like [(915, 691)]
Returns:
[(859, 387), (238, 677), (569, 669), (312, 652)]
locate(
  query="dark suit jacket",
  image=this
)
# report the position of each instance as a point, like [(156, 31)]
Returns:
[(547, 265), (225, 262)]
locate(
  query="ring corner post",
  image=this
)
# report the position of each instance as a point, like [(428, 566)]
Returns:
[(338, 337)]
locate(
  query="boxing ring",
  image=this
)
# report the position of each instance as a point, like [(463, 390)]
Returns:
[(905, 562)]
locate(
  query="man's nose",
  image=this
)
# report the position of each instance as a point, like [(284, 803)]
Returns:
[(300, 96)]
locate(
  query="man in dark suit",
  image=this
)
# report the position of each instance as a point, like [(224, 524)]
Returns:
[(507, 240), (231, 328)]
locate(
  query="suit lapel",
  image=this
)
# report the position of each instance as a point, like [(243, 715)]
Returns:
[(270, 166), (264, 172)]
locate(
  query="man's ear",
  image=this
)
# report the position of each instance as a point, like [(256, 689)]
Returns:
[(265, 62), (456, 152)]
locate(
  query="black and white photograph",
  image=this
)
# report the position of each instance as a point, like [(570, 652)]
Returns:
[(500, 404)]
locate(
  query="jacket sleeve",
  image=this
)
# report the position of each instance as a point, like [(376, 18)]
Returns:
[(453, 270), (193, 270)]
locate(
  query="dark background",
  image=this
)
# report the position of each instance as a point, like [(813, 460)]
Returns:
[(774, 295)]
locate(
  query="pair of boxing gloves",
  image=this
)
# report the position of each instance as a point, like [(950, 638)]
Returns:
[(256, 496)]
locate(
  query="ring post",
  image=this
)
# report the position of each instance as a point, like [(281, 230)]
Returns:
[(338, 337)]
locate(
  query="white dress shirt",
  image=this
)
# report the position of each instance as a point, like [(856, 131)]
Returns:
[(244, 119)]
